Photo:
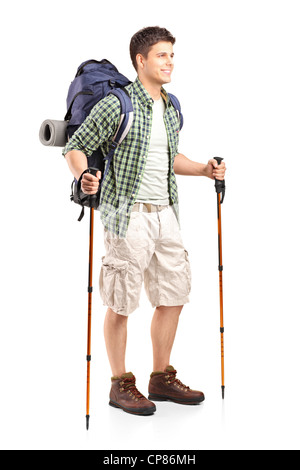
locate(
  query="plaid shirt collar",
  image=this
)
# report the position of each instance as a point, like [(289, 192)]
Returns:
[(143, 94)]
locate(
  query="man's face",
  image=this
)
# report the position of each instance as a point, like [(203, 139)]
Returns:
[(158, 66)]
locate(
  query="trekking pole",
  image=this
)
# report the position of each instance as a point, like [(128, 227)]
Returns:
[(90, 290), (220, 189)]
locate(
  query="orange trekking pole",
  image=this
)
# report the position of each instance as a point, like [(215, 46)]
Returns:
[(89, 327), (90, 201), (220, 189)]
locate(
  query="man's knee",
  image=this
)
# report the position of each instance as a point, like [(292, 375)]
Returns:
[(171, 309), (114, 317)]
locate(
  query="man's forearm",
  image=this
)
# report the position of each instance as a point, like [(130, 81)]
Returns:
[(184, 166), (77, 162)]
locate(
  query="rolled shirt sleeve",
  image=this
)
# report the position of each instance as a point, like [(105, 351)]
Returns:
[(99, 127)]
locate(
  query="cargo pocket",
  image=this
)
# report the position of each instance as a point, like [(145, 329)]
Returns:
[(188, 272), (113, 284)]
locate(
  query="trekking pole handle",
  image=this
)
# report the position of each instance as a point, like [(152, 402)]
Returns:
[(220, 184), (219, 160), (92, 170), (84, 197)]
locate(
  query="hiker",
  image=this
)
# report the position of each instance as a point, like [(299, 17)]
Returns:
[(139, 210)]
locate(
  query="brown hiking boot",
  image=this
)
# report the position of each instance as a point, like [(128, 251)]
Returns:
[(163, 386), (125, 395)]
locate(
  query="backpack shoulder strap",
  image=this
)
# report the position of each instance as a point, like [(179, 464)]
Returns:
[(126, 120), (175, 102)]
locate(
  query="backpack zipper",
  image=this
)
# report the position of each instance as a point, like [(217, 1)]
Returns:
[(69, 114)]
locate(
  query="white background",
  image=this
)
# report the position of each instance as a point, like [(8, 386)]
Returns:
[(237, 76)]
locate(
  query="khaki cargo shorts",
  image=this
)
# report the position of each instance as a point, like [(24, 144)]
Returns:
[(152, 253)]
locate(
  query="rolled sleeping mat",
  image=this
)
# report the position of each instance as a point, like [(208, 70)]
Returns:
[(53, 133)]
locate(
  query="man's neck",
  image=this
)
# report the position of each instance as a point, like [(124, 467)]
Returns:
[(154, 89)]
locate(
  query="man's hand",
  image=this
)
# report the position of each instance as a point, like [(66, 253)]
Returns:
[(213, 170), (90, 183)]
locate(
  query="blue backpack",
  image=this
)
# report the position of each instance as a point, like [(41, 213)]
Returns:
[(93, 81)]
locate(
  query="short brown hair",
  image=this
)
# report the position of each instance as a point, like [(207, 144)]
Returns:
[(145, 38)]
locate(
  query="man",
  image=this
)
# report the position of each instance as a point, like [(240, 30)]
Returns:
[(139, 210)]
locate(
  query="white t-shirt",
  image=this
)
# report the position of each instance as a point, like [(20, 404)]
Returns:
[(154, 185)]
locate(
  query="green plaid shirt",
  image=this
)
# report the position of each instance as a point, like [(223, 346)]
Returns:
[(122, 182)]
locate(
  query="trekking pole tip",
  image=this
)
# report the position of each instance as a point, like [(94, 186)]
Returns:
[(87, 421), (223, 391)]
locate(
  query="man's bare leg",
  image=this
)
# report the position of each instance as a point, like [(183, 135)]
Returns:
[(115, 334), (163, 330)]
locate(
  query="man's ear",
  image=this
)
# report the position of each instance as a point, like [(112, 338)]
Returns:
[(140, 61)]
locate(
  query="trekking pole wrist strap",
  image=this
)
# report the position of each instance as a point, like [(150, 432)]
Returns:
[(79, 197)]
